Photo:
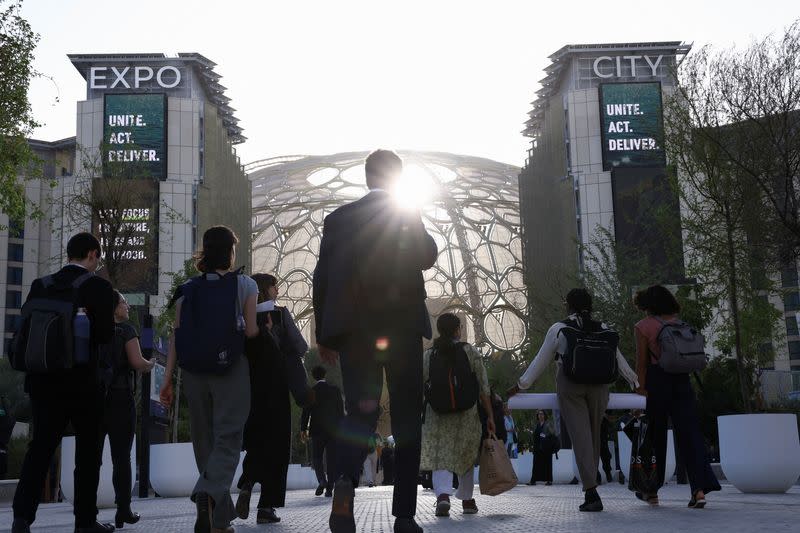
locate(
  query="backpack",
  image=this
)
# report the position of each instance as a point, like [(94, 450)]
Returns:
[(211, 334), (591, 355), (683, 348), (452, 386), (44, 341)]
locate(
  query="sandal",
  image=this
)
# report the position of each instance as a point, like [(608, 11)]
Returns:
[(697, 503), (651, 499)]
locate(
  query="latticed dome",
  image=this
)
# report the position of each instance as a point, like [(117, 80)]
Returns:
[(472, 213)]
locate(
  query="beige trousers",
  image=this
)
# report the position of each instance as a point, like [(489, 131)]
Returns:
[(582, 408)]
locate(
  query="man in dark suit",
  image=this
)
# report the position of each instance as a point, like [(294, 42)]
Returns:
[(369, 307), (73, 395), (325, 414)]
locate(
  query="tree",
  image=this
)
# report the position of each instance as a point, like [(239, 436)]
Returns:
[(728, 227), (17, 43), (745, 105)]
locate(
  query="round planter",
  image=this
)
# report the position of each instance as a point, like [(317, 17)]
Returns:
[(173, 471), (523, 467), (105, 489), (625, 447), (300, 477), (563, 470), (760, 453)]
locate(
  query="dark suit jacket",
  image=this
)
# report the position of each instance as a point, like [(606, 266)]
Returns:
[(97, 296), (369, 272), (326, 412)]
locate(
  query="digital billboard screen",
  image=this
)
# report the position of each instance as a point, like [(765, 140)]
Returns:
[(632, 125), (134, 136)]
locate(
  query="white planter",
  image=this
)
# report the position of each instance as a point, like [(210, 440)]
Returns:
[(300, 477), (523, 466), (760, 452), (563, 470), (625, 447), (105, 489), (173, 471)]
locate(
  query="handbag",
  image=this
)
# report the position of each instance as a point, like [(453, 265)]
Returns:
[(496, 474), (644, 466)]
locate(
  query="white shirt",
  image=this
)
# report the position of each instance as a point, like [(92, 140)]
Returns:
[(554, 344)]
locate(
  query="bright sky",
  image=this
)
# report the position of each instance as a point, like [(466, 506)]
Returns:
[(333, 76)]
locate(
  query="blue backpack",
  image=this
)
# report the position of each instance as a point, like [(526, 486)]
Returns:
[(211, 336)]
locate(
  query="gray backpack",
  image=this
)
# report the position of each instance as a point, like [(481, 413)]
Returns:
[(682, 348)]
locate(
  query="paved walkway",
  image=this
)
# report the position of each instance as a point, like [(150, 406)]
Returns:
[(536, 509)]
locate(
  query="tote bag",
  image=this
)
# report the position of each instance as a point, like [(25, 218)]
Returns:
[(496, 473)]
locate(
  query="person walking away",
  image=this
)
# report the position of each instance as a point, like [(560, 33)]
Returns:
[(387, 461), (511, 432), (371, 461), (669, 395), (214, 312), (451, 434), (320, 420), (369, 310), (581, 383), (124, 356), (65, 388), (272, 356), (543, 433)]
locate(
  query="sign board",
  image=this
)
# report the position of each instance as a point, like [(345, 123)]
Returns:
[(157, 377), (632, 125), (135, 136)]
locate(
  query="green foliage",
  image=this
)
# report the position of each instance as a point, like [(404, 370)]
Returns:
[(17, 43), (718, 396), (12, 388), (166, 318)]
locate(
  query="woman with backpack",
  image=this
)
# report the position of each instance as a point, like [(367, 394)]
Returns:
[(451, 430), (276, 369), (214, 312), (543, 432), (119, 417), (582, 399), (669, 396)]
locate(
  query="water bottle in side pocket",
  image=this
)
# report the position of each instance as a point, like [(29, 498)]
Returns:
[(81, 331)]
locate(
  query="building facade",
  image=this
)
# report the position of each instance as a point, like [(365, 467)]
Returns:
[(152, 166)]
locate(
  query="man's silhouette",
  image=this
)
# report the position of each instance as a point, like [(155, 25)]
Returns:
[(324, 414), (369, 306)]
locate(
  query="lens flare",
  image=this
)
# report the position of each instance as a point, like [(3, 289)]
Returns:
[(415, 188), (382, 344)]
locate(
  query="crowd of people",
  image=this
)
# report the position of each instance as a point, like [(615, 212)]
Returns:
[(241, 357)]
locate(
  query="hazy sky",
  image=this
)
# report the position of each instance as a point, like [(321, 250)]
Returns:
[(339, 75)]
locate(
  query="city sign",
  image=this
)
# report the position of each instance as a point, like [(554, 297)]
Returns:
[(137, 77), (134, 138), (632, 125), (647, 66)]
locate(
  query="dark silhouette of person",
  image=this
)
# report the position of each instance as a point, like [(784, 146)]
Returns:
[(321, 420), (369, 307), (74, 395)]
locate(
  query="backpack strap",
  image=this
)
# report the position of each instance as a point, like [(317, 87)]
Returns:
[(48, 281), (80, 280)]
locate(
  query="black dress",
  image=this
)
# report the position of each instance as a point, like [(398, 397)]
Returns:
[(542, 461), (276, 368)]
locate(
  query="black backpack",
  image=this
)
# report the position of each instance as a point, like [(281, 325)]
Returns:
[(44, 341), (211, 334), (452, 386), (591, 355)]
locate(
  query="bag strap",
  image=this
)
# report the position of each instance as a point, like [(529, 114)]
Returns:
[(80, 280)]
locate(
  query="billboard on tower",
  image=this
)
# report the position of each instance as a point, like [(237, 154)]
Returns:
[(135, 136)]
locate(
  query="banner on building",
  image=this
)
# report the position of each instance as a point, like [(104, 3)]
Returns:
[(632, 125), (134, 136)]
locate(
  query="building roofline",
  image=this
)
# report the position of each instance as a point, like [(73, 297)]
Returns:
[(203, 66), (67, 142)]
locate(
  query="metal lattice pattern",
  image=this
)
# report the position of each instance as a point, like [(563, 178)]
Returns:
[(473, 216)]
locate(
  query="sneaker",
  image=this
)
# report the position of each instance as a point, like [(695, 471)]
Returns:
[(469, 507), (341, 519), (267, 516), (443, 505), (592, 503), (243, 502), (203, 522), (320, 490)]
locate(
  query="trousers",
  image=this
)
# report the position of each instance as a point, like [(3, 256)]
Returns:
[(73, 396), (364, 358), (119, 423), (322, 446), (582, 407), (443, 483), (218, 409)]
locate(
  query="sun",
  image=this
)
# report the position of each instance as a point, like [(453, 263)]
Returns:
[(415, 188)]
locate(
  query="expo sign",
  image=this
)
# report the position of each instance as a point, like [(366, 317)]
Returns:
[(166, 77)]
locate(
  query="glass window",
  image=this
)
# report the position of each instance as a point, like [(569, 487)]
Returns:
[(15, 252), (11, 323), (789, 277), (794, 350), (14, 276), (791, 301), (791, 326), (13, 299)]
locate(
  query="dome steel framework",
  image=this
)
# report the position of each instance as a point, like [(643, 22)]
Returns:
[(473, 215)]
